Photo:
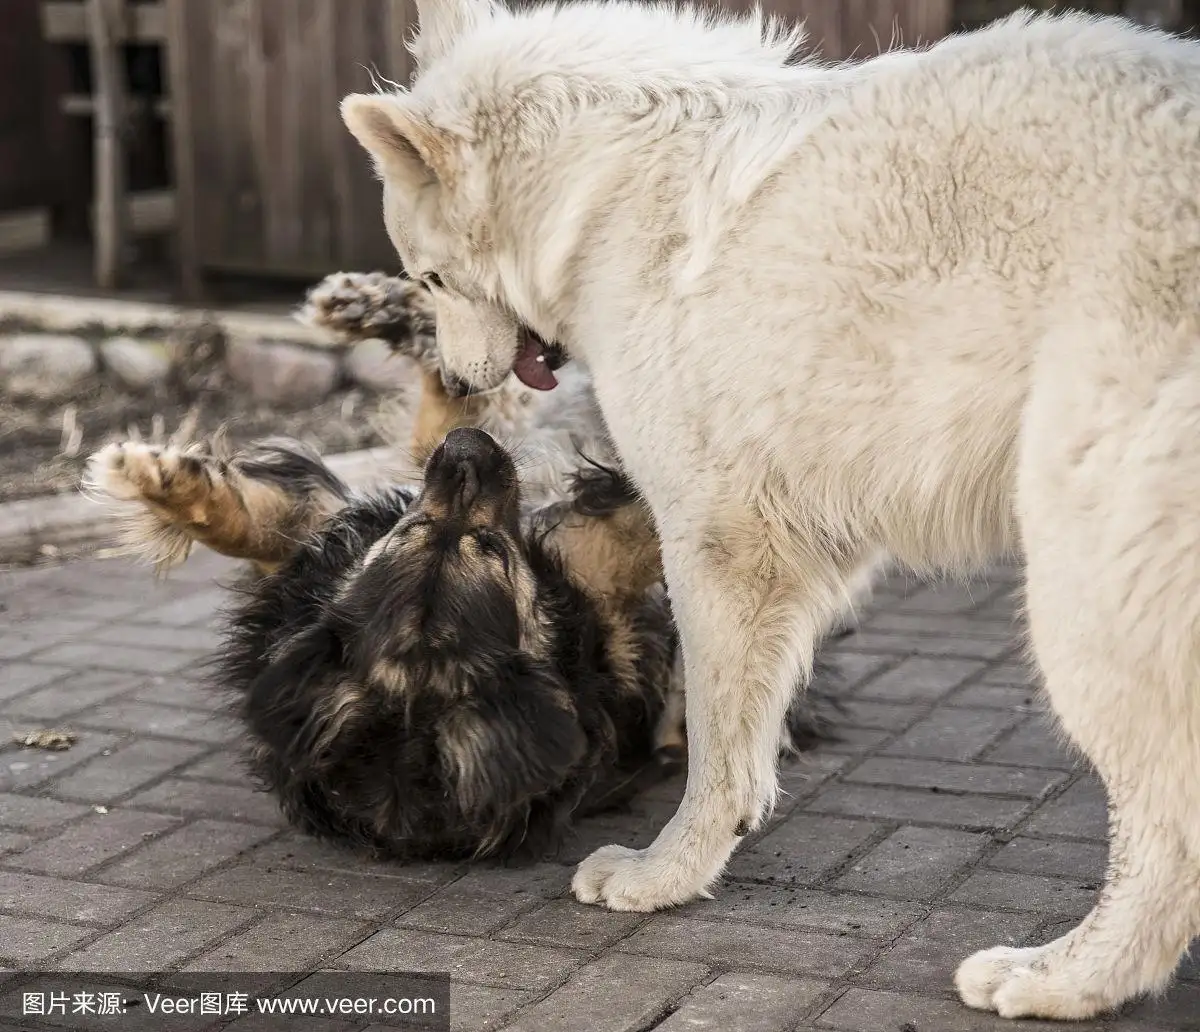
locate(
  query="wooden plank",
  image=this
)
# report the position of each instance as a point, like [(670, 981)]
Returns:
[(183, 158), (64, 21), (24, 230), (108, 77), (147, 212), (83, 105)]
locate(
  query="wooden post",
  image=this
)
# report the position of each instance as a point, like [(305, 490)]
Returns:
[(183, 154), (108, 90)]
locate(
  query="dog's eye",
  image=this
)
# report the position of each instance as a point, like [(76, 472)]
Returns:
[(432, 280)]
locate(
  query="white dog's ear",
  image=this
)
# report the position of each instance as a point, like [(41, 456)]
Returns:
[(441, 22), (404, 145)]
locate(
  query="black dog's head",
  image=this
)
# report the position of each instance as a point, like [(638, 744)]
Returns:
[(425, 678), (451, 584)]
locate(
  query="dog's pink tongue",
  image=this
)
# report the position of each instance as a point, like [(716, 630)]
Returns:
[(530, 365)]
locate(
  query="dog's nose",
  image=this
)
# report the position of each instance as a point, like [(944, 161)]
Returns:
[(467, 462), (469, 443)]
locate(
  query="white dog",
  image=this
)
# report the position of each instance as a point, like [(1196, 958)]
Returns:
[(940, 305)]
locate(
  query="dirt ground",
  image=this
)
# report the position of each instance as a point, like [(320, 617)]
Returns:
[(44, 446)]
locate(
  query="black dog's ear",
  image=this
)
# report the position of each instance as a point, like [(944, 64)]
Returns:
[(598, 490), (505, 745)]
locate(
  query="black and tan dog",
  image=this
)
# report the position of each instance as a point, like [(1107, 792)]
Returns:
[(444, 670)]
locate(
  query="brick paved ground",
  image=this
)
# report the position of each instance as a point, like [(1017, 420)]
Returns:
[(945, 820)]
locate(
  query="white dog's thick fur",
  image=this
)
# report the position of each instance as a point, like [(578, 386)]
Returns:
[(941, 304)]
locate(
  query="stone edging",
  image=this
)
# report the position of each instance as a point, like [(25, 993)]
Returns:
[(70, 521), (52, 345)]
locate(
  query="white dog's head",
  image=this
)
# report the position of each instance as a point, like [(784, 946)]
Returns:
[(491, 92), (435, 204)]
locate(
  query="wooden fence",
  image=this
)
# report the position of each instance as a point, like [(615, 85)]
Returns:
[(268, 179)]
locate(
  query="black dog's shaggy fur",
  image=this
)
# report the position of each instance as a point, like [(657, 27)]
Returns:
[(478, 746), (430, 674)]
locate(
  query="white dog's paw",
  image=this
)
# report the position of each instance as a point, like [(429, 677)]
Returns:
[(639, 880), (981, 974), (1025, 983)]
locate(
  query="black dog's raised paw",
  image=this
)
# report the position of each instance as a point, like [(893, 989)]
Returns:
[(357, 306)]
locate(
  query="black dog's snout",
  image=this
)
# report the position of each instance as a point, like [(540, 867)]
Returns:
[(466, 465)]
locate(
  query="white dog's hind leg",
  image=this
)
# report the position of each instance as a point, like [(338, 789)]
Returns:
[(1129, 944), (745, 641), (1113, 554)]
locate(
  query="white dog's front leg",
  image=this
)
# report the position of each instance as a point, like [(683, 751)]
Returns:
[(746, 641)]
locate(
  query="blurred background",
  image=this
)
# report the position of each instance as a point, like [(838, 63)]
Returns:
[(190, 150)]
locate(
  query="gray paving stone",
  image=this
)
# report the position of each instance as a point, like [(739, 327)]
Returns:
[(125, 769), (543, 881), (997, 696), (885, 716), (568, 923), (25, 941), (1178, 1011), (903, 620), (24, 677), (1080, 812), (90, 655), (786, 906), (802, 849), (952, 599), (747, 947), (14, 842), (1057, 858), (937, 647), (333, 893), (925, 958), (281, 942), (919, 679), (1033, 744), (913, 863), (22, 768), (953, 734), (971, 812), (613, 994), (185, 690), (28, 813), (226, 766), (1061, 896), (194, 609), (957, 777), (182, 855), (466, 912), (744, 1002), (64, 900), (72, 694), (193, 640), (299, 852), (1013, 673), (21, 638), (93, 840), (239, 802), (873, 1010), (479, 961), (856, 667), (159, 938), (166, 721)]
